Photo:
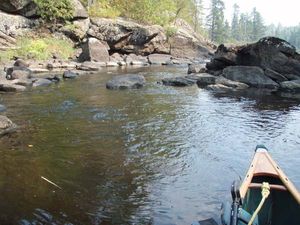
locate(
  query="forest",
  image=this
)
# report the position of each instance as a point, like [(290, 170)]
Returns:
[(209, 22)]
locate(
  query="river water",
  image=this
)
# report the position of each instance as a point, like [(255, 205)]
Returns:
[(158, 155)]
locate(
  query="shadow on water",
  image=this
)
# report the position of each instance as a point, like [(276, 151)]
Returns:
[(158, 155)]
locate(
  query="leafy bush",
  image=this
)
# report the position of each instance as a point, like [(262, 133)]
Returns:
[(170, 31), (40, 48), (102, 8), (55, 10)]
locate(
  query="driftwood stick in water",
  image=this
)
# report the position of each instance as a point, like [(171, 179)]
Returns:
[(50, 182)]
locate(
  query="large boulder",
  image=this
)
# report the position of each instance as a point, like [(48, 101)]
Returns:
[(129, 37), (269, 53), (23, 7), (126, 36), (130, 81), (13, 25), (94, 50), (79, 11), (185, 42), (250, 75), (18, 72)]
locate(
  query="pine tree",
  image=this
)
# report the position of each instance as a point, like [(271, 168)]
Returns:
[(235, 32), (258, 28), (215, 21)]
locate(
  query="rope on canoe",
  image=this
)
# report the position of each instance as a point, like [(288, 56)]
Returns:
[(265, 192)]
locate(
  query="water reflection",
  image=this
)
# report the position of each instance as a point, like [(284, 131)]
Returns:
[(159, 155)]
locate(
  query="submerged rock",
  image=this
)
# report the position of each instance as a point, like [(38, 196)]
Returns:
[(130, 81), (6, 126), (70, 75), (178, 81), (41, 82)]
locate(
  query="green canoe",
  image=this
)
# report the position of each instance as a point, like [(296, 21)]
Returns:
[(281, 204)]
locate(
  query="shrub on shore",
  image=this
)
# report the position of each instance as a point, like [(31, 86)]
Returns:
[(39, 48)]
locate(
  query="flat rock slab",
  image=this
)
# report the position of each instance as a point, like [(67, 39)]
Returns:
[(250, 75), (178, 81), (130, 81), (9, 87)]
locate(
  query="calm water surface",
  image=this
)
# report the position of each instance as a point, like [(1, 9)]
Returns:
[(158, 155)]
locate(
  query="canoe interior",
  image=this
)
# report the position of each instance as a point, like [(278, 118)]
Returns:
[(280, 208)]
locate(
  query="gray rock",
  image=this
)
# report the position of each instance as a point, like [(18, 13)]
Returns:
[(54, 78), (196, 68), (23, 82), (70, 75), (6, 126), (77, 32), (203, 79), (218, 88), (2, 108), (10, 87), (18, 72), (130, 81), (41, 82), (178, 81), (159, 59), (250, 75), (229, 83), (290, 86), (277, 77), (91, 66), (21, 63), (94, 50), (112, 64), (268, 53), (79, 11), (12, 25)]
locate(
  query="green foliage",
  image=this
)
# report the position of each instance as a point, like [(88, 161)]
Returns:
[(161, 12), (39, 48), (216, 21), (170, 31), (55, 10)]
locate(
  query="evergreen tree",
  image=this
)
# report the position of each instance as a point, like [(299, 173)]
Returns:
[(258, 28), (215, 21), (235, 32)]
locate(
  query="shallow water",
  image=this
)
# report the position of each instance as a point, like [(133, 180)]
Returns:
[(158, 155)]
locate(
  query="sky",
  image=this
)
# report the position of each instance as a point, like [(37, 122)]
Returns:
[(286, 12)]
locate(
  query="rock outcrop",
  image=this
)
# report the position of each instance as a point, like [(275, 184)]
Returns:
[(125, 36), (270, 63)]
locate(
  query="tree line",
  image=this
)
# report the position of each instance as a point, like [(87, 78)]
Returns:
[(243, 28)]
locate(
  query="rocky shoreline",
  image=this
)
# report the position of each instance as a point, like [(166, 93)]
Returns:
[(271, 63)]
